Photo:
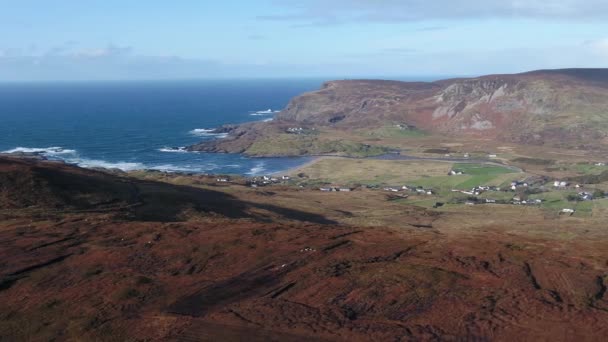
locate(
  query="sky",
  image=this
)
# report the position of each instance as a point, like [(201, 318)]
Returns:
[(43, 40)]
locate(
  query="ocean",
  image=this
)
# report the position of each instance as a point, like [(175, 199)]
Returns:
[(138, 125)]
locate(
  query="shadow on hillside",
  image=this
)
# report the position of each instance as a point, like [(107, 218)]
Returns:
[(167, 202), (56, 187)]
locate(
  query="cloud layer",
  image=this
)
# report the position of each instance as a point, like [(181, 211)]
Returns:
[(340, 11)]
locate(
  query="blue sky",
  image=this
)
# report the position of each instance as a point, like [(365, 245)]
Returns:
[(159, 39)]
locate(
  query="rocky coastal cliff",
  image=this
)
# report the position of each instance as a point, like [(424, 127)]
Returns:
[(556, 107)]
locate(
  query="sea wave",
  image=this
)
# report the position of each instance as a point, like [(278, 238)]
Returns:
[(258, 169), (264, 112), (71, 157), (173, 150), (45, 151), (184, 168), (205, 132), (92, 163)]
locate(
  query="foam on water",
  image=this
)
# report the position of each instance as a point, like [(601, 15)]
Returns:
[(47, 151), (173, 150), (258, 169), (204, 132)]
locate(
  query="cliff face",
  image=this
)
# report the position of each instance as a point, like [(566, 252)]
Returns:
[(536, 107)]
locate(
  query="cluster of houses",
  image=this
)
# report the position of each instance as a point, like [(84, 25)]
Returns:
[(258, 181), (478, 190), (335, 189), (295, 130), (417, 189), (517, 200), (267, 180)]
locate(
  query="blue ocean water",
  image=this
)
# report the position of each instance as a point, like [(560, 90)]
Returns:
[(134, 125)]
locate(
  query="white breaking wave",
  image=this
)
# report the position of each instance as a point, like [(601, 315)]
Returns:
[(201, 130), (71, 157), (173, 150), (268, 120), (257, 169), (184, 168), (264, 112), (47, 151), (91, 163), (204, 132)]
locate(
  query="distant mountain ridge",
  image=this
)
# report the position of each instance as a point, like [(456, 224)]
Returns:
[(563, 108), (535, 107)]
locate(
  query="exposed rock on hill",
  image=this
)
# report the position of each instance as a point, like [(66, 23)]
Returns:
[(557, 107)]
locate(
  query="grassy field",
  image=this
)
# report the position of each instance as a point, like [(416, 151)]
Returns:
[(394, 131), (293, 145), (373, 172)]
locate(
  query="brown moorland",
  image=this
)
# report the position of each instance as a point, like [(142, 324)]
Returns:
[(107, 257)]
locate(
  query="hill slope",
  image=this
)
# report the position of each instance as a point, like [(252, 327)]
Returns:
[(228, 272), (567, 108)]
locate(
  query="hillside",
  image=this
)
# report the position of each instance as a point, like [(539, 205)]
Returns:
[(156, 257), (564, 108)]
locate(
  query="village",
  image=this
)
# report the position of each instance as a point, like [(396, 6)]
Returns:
[(530, 190)]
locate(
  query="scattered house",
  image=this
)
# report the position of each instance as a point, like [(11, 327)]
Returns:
[(560, 184), (578, 186), (490, 200), (266, 178), (538, 201), (470, 203), (516, 199), (568, 211), (466, 155), (519, 184), (585, 196), (223, 180), (254, 185), (335, 189), (285, 178), (600, 164), (295, 130), (455, 173), (405, 188), (493, 156), (391, 189)]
